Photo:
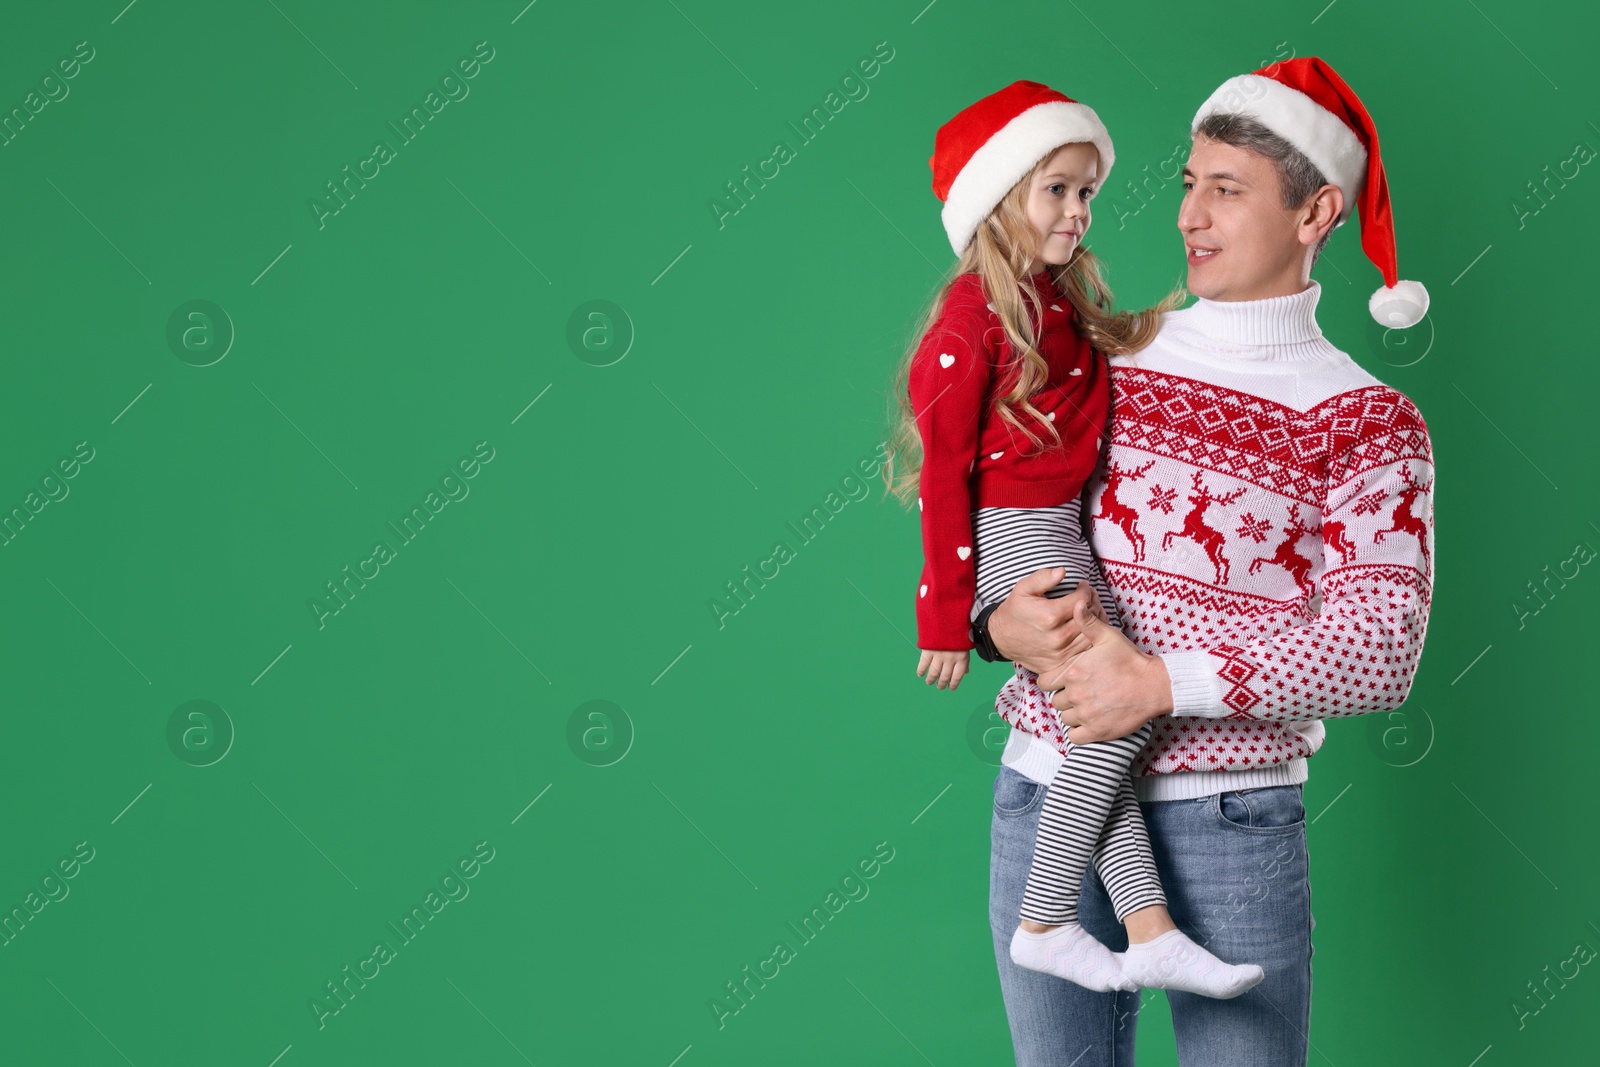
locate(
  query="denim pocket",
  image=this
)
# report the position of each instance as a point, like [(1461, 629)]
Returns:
[(1015, 793), (1266, 810)]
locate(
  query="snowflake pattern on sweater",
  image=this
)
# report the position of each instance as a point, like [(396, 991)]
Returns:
[(1277, 555)]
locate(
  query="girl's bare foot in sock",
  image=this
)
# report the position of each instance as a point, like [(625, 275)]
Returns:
[(1156, 960), (1174, 961), (1070, 952)]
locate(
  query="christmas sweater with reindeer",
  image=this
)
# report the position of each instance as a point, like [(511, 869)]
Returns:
[(1263, 515)]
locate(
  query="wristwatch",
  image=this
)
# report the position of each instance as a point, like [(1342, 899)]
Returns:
[(979, 633)]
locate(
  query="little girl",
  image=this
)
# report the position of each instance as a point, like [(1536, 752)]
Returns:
[(1006, 354)]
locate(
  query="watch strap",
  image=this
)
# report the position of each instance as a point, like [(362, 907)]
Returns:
[(982, 643)]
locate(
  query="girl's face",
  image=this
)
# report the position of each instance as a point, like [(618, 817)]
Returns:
[(1058, 202)]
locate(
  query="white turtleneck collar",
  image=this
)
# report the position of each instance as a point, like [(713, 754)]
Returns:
[(1272, 349), (1281, 328)]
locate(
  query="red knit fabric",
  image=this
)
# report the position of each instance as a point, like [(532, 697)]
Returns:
[(972, 458)]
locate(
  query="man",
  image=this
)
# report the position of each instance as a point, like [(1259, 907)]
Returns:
[(1263, 516)]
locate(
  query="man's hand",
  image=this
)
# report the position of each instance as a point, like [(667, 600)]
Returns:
[(1111, 688), (1031, 629)]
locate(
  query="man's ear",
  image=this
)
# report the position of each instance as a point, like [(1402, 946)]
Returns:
[(1320, 214)]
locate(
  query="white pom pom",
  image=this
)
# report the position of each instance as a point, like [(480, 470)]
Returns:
[(1398, 306)]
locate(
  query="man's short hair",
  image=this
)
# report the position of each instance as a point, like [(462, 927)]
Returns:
[(1298, 177)]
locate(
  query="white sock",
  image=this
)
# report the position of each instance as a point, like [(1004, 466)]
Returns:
[(1070, 952), (1175, 961)]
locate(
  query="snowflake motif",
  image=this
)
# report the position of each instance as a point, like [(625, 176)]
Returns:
[(1161, 498), (1370, 504), (1253, 528)]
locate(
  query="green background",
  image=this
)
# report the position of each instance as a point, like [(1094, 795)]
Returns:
[(737, 772)]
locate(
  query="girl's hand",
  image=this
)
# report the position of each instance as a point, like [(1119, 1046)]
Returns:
[(944, 669)]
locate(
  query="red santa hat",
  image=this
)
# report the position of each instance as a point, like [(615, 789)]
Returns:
[(988, 147), (1306, 103)]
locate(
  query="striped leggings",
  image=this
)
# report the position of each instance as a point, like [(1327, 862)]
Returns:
[(1089, 813)]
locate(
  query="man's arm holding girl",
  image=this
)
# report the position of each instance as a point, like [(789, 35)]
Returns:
[(1358, 654)]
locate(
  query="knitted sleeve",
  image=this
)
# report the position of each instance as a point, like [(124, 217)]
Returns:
[(949, 380), (1359, 651)]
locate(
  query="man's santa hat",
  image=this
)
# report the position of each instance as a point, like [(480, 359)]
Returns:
[(1303, 101), (991, 145)]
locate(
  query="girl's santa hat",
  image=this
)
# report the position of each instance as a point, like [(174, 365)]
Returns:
[(991, 145), (1303, 101)]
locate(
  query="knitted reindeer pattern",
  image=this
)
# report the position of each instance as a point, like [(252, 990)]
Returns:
[(1292, 548)]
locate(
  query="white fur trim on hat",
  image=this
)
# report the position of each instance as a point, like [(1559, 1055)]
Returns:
[(1002, 161), (1300, 120), (1401, 306)]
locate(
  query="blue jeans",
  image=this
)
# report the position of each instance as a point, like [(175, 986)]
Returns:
[(1236, 874)]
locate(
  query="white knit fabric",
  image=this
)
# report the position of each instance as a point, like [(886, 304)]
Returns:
[(1264, 518)]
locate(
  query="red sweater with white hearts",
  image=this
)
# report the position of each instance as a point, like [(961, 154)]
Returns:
[(972, 458), (1264, 519)]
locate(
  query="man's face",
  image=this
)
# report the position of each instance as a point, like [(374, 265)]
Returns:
[(1242, 243), (1058, 202)]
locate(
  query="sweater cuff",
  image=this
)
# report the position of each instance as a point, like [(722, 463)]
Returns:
[(1196, 689)]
